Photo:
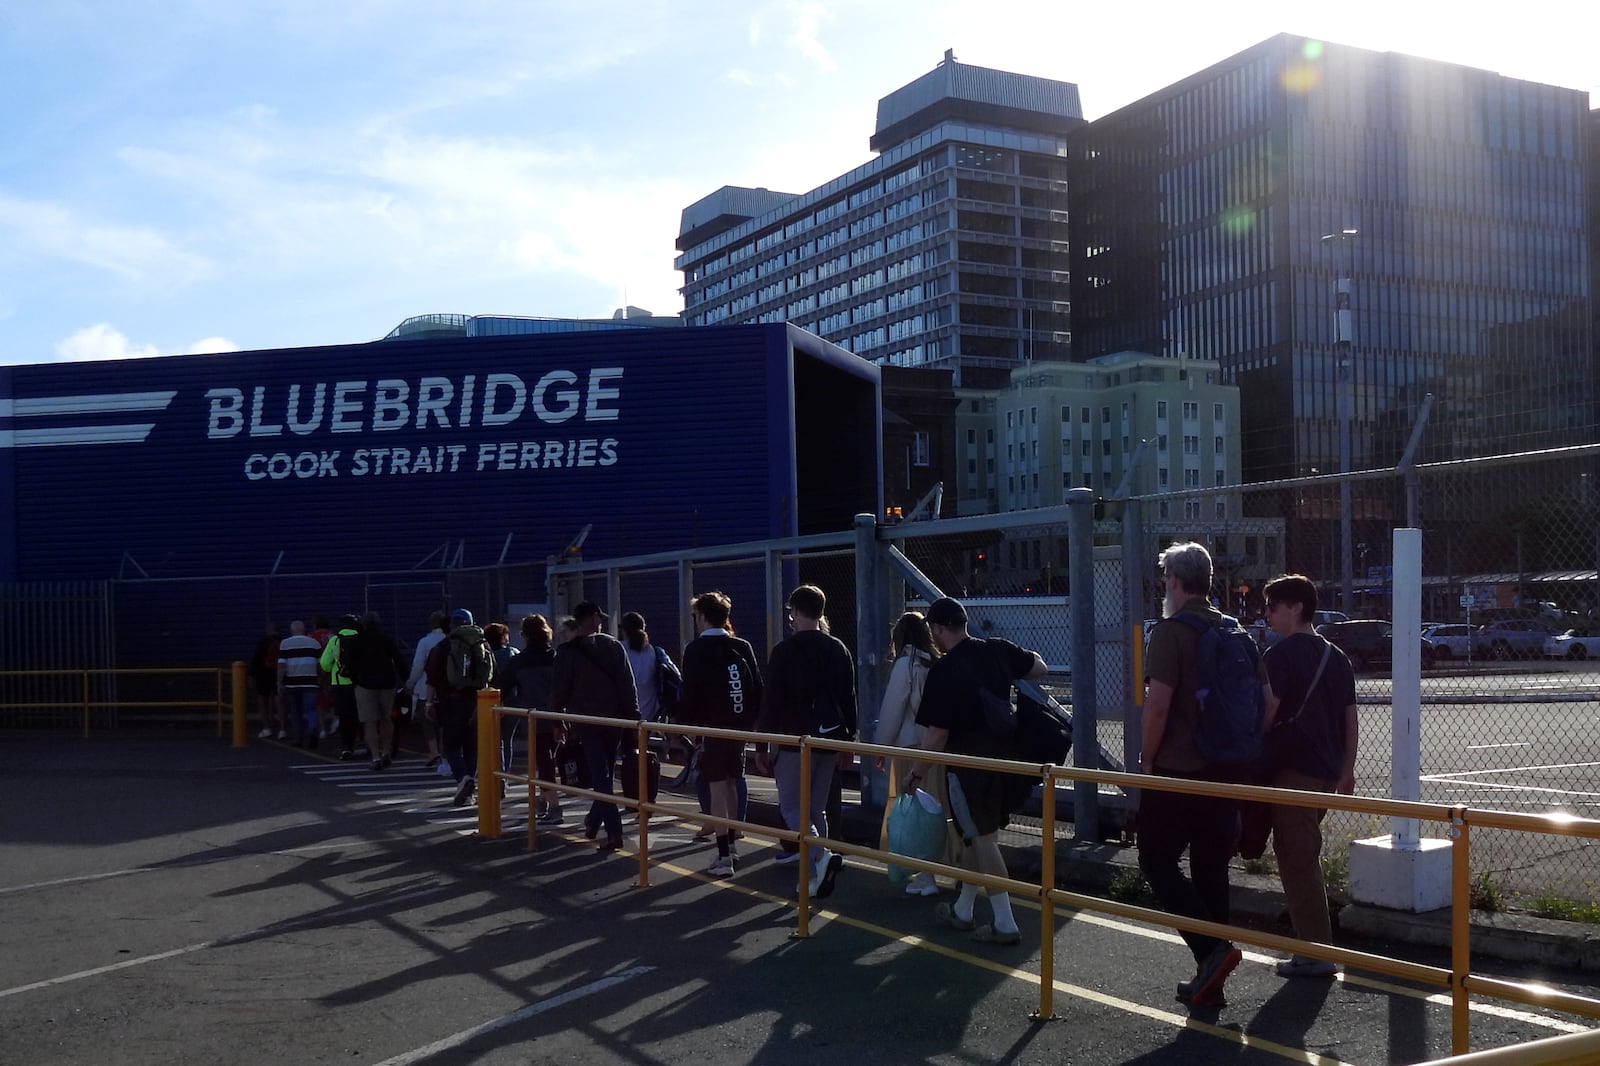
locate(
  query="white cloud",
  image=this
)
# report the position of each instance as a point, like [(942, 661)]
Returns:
[(104, 341), (135, 253), (807, 25), (100, 341)]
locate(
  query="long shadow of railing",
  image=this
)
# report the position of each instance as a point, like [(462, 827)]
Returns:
[(1460, 819)]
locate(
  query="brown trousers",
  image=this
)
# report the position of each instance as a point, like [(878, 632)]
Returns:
[(1297, 842)]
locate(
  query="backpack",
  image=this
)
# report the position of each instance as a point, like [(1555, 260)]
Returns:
[(669, 684), (1228, 732), (468, 662), (735, 697)]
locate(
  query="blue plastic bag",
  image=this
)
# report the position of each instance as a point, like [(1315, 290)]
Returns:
[(916, 830)]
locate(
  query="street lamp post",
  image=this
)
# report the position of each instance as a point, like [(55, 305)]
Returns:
[(1344, 335)]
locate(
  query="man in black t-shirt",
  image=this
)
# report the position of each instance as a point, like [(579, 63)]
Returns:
[(953, 720), (1313, 745)]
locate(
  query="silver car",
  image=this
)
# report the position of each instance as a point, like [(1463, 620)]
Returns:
[(1573, 644), (1451, 640)]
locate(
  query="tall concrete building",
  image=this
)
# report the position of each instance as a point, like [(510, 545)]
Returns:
[(947, 250), (1214, 218)]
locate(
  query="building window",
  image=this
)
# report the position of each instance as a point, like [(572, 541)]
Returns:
[(1191, 510), (1191, 444), (1191, 479), (1222, 478), (1216, 412), (1217, 445), (972, 436), (1161, 443), (1083, 415), (919, 448), (1105, 416), (1161, 409), (1191, 411), (1165, 509), (1161, 478), (1222, 509)]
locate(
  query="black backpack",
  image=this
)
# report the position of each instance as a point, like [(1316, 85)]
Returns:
[(1228, 733)]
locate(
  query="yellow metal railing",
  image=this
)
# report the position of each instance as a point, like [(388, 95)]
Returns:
[(1459, 978), (226, 700)]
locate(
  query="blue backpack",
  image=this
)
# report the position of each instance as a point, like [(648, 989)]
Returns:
[(1229, 692)]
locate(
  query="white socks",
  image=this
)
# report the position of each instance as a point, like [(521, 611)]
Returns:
[(1000, 902)]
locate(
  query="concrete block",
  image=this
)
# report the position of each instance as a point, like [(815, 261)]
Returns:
[(1402, 879)]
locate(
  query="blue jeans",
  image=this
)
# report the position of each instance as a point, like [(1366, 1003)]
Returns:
[(458, 740), (600, 750), (301, 707), (508, 736)]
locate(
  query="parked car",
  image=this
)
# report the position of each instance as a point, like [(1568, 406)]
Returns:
[(1515, 638), (1324, 617), (1580, 643), (1368, 643), (1450, 640)]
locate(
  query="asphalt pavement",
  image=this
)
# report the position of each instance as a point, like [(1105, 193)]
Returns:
[(174, 901)]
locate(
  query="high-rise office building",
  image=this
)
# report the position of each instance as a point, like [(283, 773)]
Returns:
[(1215, 217), (947, 250)]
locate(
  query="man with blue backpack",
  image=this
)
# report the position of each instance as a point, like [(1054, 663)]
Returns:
[(1204, 710)]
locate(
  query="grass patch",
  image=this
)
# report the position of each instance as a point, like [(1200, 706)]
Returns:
[(1336, 872), (1548, 905), (1128, 886), (1486, 893)]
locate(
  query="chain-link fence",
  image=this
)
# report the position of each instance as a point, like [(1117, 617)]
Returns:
[(1509, 597)]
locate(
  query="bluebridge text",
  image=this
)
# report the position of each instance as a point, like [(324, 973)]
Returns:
[(431, 402)]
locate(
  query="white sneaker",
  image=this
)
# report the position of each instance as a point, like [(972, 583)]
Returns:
[(722, 866), (922, 885), (283, 734), (823, 872), (265, 734)]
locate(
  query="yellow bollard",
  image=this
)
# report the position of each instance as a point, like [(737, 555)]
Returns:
[(241, 702), (488, 763)]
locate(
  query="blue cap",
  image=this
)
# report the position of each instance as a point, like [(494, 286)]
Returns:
[(462, 615)]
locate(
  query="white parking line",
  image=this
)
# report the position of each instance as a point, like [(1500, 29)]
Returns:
[(234, 938), (530, 1011), (1511, 770)]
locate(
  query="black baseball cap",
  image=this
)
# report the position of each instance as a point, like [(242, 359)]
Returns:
[(947, 612), (588, 609)]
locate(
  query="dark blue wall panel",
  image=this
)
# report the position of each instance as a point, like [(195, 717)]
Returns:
[(194, 465)]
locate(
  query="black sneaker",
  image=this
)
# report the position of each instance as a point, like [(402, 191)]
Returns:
[(463, 794), (346, 755), (1206, 988), (377, 764)]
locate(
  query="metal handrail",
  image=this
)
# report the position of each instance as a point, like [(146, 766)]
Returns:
[(85, 703), (1457, 977)]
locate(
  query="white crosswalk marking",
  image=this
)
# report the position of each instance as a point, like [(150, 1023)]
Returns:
[(410, 788)]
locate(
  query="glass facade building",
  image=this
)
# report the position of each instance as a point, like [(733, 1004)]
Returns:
[(1200, 218), (948, 250)]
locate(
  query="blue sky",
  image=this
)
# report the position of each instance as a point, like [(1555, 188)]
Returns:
[(197, 176)]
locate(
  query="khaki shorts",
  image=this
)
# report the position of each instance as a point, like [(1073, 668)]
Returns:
[(373, 704)]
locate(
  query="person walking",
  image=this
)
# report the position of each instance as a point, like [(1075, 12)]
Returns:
[(971, 672), (264, 690), (912, 651), (498, 636), (529, 681), (417, 683), (810, 691), (344, 689), (1170, 823), (1311, 746), (593, 678), (377, 670), (298, 654), (722, 690), (458, 668)]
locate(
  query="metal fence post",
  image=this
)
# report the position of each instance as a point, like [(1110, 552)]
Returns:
[(240, 702), (872, 629), (1080, 605), (488, 762), (1133, 610), (1406, 685)]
